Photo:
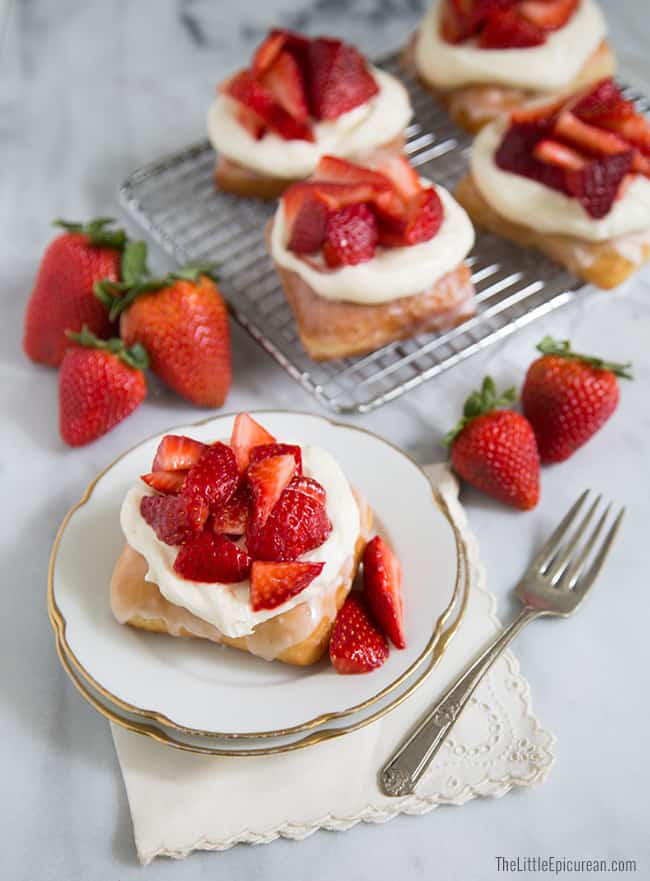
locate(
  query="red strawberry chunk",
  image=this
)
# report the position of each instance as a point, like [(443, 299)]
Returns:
[(307, 230), (209, 557), (253, 123), (233, 517), (382, 585), (603, 101), (297, 524), (333, 169), (633, 129), (286, 83), (246, 434), (267, 52), (268, 478), (243, 87), (537, 112), (356, 645), (168, 482), (273, 584), (309, 487), (170, 518), (556, 153), (423, 218), (549, 15), (588, 137), (339, 79), (265, 451), (177, 453), (506, 30), (351, 236), (214, 478), (400, 173), (596, 186)]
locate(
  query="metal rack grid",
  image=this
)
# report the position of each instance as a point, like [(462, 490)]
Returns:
[(175, 201)]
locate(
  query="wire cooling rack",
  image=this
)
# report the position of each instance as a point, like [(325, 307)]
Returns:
[(175, 201)]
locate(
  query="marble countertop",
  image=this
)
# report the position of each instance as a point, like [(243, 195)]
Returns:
[(91, 90)]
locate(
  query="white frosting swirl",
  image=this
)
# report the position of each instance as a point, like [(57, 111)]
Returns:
[(532, 204), (352, 134), (545, 68), (226, 606), (393, 272)]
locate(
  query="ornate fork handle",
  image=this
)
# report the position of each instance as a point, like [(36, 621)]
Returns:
[(406, 766)]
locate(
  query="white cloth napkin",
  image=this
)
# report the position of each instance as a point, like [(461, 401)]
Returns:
[(182, 802)]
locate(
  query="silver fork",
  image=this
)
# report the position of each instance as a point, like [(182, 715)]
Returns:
[(555, 583)]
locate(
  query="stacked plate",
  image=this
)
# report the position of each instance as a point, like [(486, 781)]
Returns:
[(198, 696)]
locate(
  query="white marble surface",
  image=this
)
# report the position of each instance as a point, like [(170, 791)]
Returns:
[(88, 91)]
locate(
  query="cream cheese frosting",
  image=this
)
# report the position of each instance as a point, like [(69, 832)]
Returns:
[(546, 68), (530, 203), (360, 130), (393, 272), (226, 606)]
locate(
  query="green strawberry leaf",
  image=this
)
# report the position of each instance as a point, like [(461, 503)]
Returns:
[(134, 263), (562, 348), (96, 232), (480, 402), (134, 356)]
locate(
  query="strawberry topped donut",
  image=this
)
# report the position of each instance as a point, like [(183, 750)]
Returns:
[(569, 177), (251, 542), (483, 57), (299, 99), (371, 254)]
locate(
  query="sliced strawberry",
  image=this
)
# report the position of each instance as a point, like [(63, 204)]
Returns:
[(422, 220), (641, 163), (297, 524), (168, 482), (209, 557), (339, 79), (214, 478), (549, 15), (244, 88), (265, 451), (555, 153), (588, 137), (356, 645), (249, 120), (246, 434), (273, 584), (232, 518), (596, 185), (177, 453), (633, 129), (351, 236), (400, 172), (333, 169), (308, 215), (604, 100), (453, 27), (382, 586), (505, 30), (286, 83), (309, 487), (268, 479), (170, 518), (267, 52), (536, 112)]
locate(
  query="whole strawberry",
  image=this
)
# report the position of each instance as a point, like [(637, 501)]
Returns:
[(567, 397), (100, 384), (182, 322), (62, 298), (495, 449)]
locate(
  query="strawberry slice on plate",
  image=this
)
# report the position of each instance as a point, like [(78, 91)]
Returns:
[(265, 451), (339, 79), (268, 478), (167, 482), (297, 524), (214, 478), (356, 644), (382, 587), (209, 557), (246, 434), (177, 453), (273, 584)]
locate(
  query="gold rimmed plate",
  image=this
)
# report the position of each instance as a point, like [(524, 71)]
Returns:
[(201, 690)]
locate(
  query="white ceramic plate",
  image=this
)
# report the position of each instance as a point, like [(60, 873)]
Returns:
[(196, 686)]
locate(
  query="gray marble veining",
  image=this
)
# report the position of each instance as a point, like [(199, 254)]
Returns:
[(91, 90)]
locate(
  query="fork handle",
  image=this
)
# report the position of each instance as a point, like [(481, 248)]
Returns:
[(407, 765)]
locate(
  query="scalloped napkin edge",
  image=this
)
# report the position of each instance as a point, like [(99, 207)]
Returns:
[(175, 797)]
